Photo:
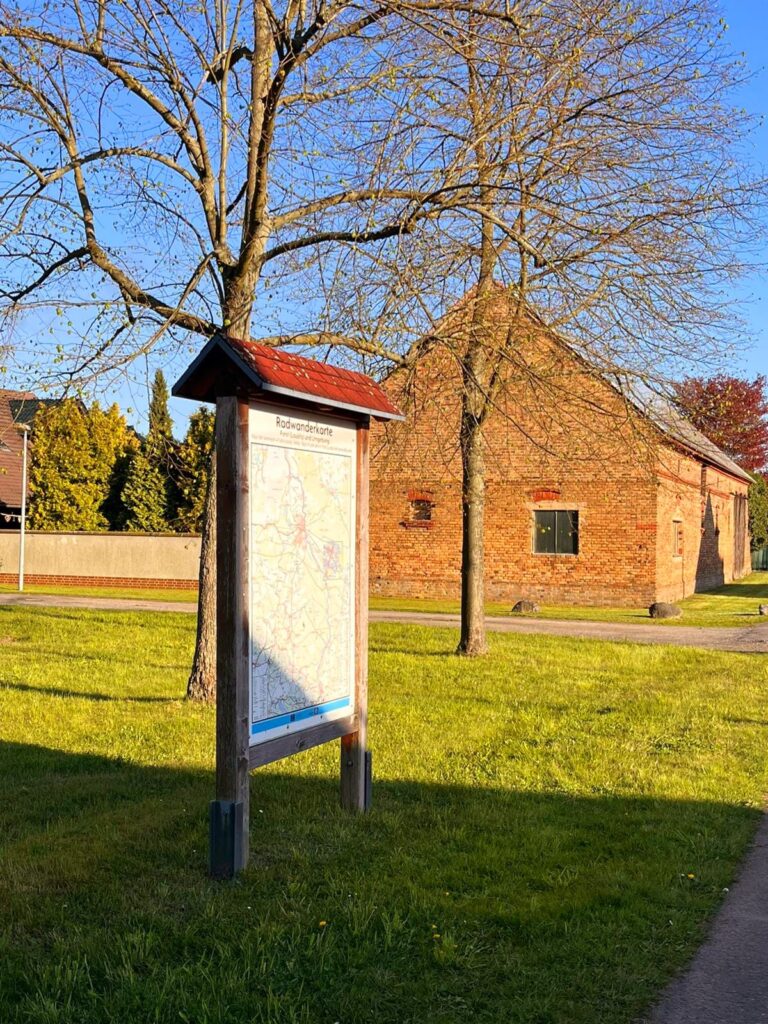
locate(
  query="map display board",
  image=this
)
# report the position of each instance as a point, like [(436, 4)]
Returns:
[(302, 469)]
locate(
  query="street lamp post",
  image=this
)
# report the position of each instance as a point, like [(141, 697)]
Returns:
[(22, 530)]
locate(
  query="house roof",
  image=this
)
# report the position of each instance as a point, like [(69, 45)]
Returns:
[(672, 423), (266, 368), (661, 412)]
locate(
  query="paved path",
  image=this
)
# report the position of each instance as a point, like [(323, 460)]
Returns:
[(111, 604), (744, 639), (727, 982)]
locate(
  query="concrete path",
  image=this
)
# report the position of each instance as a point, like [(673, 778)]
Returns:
[(727, 982), (744, 639), (749, 639), (110, 604)]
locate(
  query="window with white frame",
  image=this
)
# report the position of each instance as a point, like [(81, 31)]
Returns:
[(556, 532)]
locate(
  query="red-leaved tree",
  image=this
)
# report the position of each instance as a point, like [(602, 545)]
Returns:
[(732, 412)]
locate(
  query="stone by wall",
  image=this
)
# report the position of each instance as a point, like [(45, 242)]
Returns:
[(102, 559)]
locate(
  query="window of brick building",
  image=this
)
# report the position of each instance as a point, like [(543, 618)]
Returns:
[(420, 509), (556, 532), (678, 539)]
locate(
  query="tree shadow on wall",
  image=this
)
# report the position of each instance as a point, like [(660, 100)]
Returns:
[(710, 567), (446, 903)]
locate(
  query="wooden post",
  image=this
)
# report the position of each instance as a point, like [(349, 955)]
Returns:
[(355, 760), (230, 810)]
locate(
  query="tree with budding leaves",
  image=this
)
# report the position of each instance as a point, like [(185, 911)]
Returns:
[(384, 158)]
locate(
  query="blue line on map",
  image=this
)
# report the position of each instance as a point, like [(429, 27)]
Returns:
[(299, 716)]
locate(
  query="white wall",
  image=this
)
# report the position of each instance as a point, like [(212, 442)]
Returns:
[(108, 555)]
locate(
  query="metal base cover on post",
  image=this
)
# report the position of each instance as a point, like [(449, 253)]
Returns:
[(225, 838), (368, 784)]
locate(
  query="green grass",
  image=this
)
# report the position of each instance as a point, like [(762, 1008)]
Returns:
[(551, 828), (131, 593), (732, 605)]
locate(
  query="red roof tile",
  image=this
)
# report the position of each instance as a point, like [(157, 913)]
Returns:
[(295, 374), (280, 372)]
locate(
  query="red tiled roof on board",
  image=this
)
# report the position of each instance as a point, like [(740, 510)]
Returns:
[(277, 372), (292, 373)]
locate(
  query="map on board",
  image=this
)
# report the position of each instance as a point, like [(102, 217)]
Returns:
[(302, 569)]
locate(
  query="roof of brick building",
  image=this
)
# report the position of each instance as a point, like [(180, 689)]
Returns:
[(659, 411), (672, 423)]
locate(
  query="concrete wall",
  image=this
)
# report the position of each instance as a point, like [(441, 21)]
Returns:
[(93, 559)]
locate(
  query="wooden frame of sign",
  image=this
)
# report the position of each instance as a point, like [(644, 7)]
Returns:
[(277, 432)]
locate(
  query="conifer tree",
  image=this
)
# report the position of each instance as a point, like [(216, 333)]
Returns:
[(150, 494), (74, 454), (194, 467), (144, 495), (160, 436)]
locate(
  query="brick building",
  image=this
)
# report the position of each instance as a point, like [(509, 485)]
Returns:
[(590, 498), (17, 414)]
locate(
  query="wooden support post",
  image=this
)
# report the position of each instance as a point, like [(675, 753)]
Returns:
[(230, 809), (355, 764)]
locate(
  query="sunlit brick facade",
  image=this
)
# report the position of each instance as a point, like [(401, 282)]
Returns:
[(587, 501)]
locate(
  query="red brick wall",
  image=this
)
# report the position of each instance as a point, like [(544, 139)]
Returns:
[(615, 563), (573, 445), (559, 438), (712, 507), (132, 582)]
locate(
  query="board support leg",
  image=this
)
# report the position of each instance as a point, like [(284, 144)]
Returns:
[(355, 757), (226, 842), (228, 849), (355, 774)]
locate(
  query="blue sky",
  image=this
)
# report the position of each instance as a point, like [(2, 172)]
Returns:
[(748, 32)]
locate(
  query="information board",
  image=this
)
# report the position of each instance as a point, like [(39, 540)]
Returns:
[(302, 480)]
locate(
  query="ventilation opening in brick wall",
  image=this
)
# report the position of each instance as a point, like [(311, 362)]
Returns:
[(419, 513)]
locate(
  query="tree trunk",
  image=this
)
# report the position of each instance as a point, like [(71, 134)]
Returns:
[(202, 680), (472, 641), (240, 287)]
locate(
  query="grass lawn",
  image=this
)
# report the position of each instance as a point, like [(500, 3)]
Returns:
[(551, 828), (732, 605)]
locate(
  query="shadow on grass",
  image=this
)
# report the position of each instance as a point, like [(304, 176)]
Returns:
[(446, 903), (52, 691), (755, 590)]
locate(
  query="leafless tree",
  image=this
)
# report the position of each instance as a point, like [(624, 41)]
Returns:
[(612, 200), (159, 158), (393, 155)]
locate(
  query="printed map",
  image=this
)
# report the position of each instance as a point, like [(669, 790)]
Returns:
[(302, 583)]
